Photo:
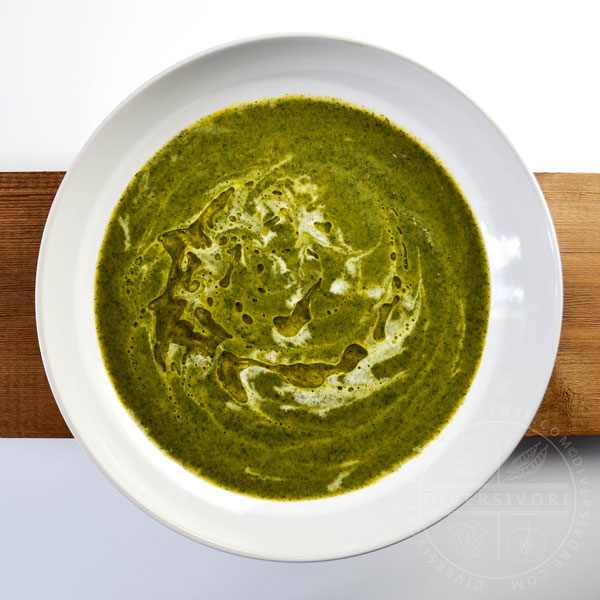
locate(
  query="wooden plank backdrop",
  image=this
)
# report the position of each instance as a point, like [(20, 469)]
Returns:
[(571, 405)]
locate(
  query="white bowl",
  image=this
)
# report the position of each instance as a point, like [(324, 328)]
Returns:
[(524, 325)]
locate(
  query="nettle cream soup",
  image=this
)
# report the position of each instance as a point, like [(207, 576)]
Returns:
[(292, 297)]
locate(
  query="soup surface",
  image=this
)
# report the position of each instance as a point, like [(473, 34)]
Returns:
[(292, 297)]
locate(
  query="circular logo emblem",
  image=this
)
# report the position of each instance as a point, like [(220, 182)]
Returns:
[(527, 520)]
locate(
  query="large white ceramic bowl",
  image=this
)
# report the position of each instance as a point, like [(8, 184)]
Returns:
[(524, 325)]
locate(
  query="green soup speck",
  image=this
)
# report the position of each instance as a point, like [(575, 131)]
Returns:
[(292, 297)]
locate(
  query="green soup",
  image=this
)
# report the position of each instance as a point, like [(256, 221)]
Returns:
[(292, 297)]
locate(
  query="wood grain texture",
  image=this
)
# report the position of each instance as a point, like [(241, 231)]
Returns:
[(27, 407), (571, 405)]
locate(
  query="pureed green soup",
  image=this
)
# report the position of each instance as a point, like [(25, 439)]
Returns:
[(292, 297)]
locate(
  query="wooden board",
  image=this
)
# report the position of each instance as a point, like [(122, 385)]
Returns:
[(571, 405)]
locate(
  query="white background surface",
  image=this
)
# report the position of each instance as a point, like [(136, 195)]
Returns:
[(532, 65), (64, 531)]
